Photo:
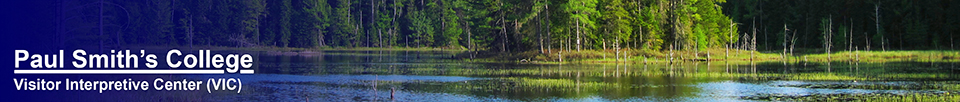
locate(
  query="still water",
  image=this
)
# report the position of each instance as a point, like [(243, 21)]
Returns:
[(440, 76)]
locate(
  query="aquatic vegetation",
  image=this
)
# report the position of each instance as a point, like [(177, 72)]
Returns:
[(720, 54), (879, 97), (562, 83), (889, 56)]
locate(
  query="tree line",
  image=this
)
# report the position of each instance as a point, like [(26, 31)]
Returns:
[(508, 25)]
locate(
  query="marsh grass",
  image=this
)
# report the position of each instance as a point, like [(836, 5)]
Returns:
[(563, 83), (720, 54), (889, 56)]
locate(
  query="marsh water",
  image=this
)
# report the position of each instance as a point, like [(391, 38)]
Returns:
[(442, 76)]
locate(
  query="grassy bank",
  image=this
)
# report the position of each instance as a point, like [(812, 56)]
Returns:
[(719, 54)]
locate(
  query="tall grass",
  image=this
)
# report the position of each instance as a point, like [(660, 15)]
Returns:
[(720, 54)]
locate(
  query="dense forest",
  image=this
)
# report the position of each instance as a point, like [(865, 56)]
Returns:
[(851, 24), (509, 25)]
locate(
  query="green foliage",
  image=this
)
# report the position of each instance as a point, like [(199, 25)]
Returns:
[(508, 25), (516, 25), (452, 30), (422, 31)]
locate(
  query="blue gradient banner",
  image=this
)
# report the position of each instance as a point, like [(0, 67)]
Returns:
[(74, 51)]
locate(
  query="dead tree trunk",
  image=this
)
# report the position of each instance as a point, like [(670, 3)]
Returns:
[(783, 54), (753, 45), (503, 31), (540, 32), (867, 39), (877, 22), (549, 41), (829, 39), (578, 33), (730, 41), (379, 30)]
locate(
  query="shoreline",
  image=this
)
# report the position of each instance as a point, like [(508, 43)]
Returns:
[(737, 56)]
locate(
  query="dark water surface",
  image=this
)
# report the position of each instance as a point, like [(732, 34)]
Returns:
[(439, 76)]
